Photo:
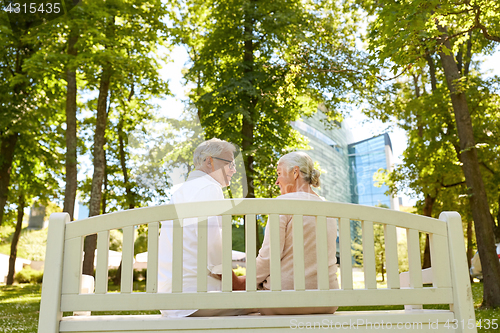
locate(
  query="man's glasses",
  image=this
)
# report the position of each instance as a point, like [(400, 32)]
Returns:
[(232, 165)]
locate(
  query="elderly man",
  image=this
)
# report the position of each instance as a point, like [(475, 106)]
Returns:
[(214, 163)]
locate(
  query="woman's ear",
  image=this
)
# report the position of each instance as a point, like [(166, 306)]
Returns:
[(296, 172)]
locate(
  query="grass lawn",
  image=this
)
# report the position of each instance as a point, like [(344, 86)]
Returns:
[(20, 305)]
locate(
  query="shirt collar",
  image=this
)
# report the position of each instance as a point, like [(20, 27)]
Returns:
[(201, 174)]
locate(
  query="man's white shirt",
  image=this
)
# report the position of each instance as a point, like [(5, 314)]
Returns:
[(198, 187)]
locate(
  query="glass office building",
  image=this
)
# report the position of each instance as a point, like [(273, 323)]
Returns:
[(348, 167), (329, 150), (365, 159)]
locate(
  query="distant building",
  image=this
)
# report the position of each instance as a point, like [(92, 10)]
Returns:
[(366, 157), (329, 149), (37, 217), (348, 166)]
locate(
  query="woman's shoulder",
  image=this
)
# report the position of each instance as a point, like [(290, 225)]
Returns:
[(300, 195)]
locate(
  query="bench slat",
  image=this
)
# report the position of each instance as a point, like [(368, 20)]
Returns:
[(157, 323), (251, 252), (391, 256), (322, 253), (73, 256), (345, 254), (177, 248), (414, 262), (298, 253), (127, 260), (118, 220), (369, 270), (227, 247), (275, 251), (152, 270), (50, 306), (202, 255), (440, 261), (101, 271), (237, 300)]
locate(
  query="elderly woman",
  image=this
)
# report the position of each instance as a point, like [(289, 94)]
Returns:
[(296, 175)]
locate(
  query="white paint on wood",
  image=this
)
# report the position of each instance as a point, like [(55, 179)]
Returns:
[(157, 323), (345, 254), (50, 306), (202, 255), (391, 256), (463, 304), (152, 270), (440, 261), (251, 251), (369, 255), (298, 253), (414, 262), (118, 220), (273, 228), (177, 248), (227, 248), (242, 299), (101, 270), (322, 253), (73, 263), (127, 260)]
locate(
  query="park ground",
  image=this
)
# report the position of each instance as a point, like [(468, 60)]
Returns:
[(20, 307)]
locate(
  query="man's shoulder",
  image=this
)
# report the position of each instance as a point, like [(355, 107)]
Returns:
[(197, 190)]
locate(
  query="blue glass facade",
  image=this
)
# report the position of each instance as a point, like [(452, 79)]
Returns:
[(365, 159)]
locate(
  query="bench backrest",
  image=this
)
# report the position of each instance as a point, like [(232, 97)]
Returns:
[(63, 267)]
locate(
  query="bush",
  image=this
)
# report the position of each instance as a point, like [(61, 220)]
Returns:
[(28, 275), (112, 273), (140, 275)]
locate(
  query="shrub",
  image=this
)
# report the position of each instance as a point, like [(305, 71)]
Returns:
[(112, 273), (140, 275), (28, 275)]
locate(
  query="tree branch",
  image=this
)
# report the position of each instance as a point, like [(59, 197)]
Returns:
[(483, 28), (451, 185), (488, 168)]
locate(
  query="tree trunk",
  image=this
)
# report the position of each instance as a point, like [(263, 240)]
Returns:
[(71, 155), (13, 246), (497, 226), (428, 204), (99, 166), (248, 123), (479, 202), (7, 148), (432, 71), (382, 265), (429, 200), (469, 244), (121, 139), (105, 187)]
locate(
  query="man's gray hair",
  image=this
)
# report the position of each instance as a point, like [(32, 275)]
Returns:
[(211, 148)]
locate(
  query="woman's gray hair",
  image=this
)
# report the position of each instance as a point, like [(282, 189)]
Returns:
[(211, 148), (305, 164)]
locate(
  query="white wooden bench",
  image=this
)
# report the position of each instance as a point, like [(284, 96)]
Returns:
[(450, 280)]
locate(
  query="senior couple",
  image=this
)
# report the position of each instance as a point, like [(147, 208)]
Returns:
[(214, 167)]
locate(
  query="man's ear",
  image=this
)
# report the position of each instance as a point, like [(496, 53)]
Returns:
[(210, 164)]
